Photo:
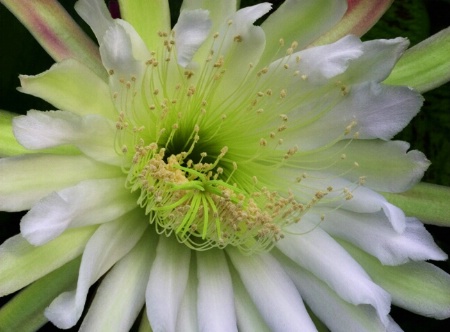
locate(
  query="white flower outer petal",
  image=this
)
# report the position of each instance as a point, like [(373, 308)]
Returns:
[(92, 134), (191, 30), (23, 263), (26, 179), (215, 304), (272, 291), (121, 295), (187, 314), (71, 86), (248, 316), (317, 252), (96, 14), (89, 202), (109, 244), (373, 233), (301, 21), (337, 314), (167, 284), (419, 287)]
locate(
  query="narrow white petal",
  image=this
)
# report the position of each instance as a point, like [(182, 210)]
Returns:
[(330, 308), (272, 291), (191, 30), (96, 14), (92, 134), (26, 179), (248, 316), (89, 202), (215, 304), (373, 233), (121, 295), (167, 283), (317, 252), (187, 315), (109, 244)]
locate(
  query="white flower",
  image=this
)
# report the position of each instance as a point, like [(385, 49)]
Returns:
[(224, 176)]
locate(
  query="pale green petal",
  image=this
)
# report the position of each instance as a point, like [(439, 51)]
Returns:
[(108, 244), (215, 303), (96, 14), (426, 201), (167, 283), (27, 179), (386, 165), (148, 18), (426, 65), (145, 324), (302, 21), (23, 263), (71, 86), (333, 310), (57, 32), (89, 202), (25, 312), (361, 15), (419, 287), (93, 134), (272, 291), (121, 295), (187, 314)]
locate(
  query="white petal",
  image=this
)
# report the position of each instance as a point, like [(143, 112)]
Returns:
[(109, 244), (92, 134), (26, 179), (378, 59), (191, 31), (23, 263), (215, 293), (89, 202), (317, 252), (248, 316), (96, 14), (121, 295), (272, 291), (337, 314), (187, 315), (419, 287), (167, 283), (374, 234)]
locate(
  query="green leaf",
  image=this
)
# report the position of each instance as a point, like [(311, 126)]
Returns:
[(426, 201), (25, 312)]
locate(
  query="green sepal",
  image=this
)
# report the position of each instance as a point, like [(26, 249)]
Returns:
[(424, 66), (428, 202), (25, 312)]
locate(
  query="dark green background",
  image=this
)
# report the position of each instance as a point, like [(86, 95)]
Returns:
[(428, 132)]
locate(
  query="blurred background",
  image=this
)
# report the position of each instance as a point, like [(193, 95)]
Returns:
[(428, 132)]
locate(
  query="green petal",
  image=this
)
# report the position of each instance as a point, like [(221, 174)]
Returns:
[(57, 32), (426, 201), (361, 15), (71, 86), (148, 18), (419, 287), (426, 65), (23, 263), (25, 312)]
